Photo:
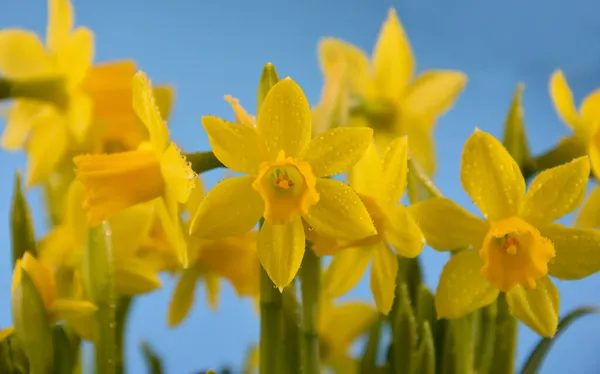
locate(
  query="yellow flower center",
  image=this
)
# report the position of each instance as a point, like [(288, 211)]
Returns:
[(514, 253), (288, 188)]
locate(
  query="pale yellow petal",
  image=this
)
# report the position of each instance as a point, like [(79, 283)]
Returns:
[(590, 108), (337, 150), (395, 167), (75, 56), (346, 269), (366, 176), (67, 309), (434, 92), (491, 177), (237, 147), (164, 95), (556, 192), (562, 98), (421, 142), (46, 147), (179, 176), (146, 109), (281, 249), (5, 333), (128, 229), (589, 215), (284, 120), (241, 116), (392, 58), (183, 297), (23, 56), (231, 208), (343, 324), (339, 213), (79, 116), (403, 232), (538, 308), (383, 277), (448, 226), (577, 251), (336, 54), (21, 118), (462, 288), (60, 23), (134, 277)]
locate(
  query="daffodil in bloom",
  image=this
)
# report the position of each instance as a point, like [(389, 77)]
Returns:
[(156, 171), (384, 93), (93, 94), (380, 181), (517, 246), (72, 310), (232, 258), (285, 182)]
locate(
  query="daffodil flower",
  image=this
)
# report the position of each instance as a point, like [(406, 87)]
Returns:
[(156, 171), (586, 135), (380, 182), (72, 310), (390, 99), (94, 94), (517, 246), (285, 181), (232, 258)]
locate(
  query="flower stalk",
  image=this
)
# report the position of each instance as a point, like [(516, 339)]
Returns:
[(270, 326), (311, 285)]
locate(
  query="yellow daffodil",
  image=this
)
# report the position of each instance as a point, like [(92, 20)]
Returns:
[(232, 258), (93, 94), (517, 245), (285, 182), (388, 96), (72, 310), (380, 182), (156, 171)]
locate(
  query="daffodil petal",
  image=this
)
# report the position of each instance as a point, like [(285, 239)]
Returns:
[(446, 225), (383, 277), (67, 309), (395, 167), (392, 58), (57, 248), (128, 229), (462, 288), (22, 55), (75, 56), (83, 327), (236, 146), (577, 251), (5, 333), (178, 174), (434, 92), (562, 97), (21, 118), (79, 116), (346, 269), (367, 175), (491, 176), (339, 213), (421, 143), (60, 23), (336, 54), (196, 197), (46, 148), (241, 116), (284, 120), (164, 95), (404, 233), (589, 216), (343, 324), (146, 109), (75, 218), (183, 297), (594, 153), (281, 249), (167, 211), (337, 150), (231, 208), (537, 308), (556, 192), (42, 277), (136, 279)]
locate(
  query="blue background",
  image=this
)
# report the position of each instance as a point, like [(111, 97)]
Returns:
[(207, 49)]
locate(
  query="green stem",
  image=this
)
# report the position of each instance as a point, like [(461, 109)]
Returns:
[(487, 338), (270, 326), (123, 307), (203, 161), (291, 330), (503, 361), (310, 274), (52, 90)]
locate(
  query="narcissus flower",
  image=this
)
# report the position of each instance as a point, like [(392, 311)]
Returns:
[(93, 94), (156, 171), (384, 92), (285, 183), (76, 311), (380, 182), (518, 245), (232, 258)]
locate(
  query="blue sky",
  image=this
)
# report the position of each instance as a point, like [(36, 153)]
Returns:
[(207, 49)]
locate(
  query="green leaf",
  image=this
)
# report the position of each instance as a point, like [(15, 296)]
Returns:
[(203, 161), (31, 325), (22, 235), (98, 276), (66, 350), (485, 337), (268, 78), (503, 361), (152, 360), (536, 358), (425, 358), (426, 309), (515, 138), (404, 332), (368, 361)]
